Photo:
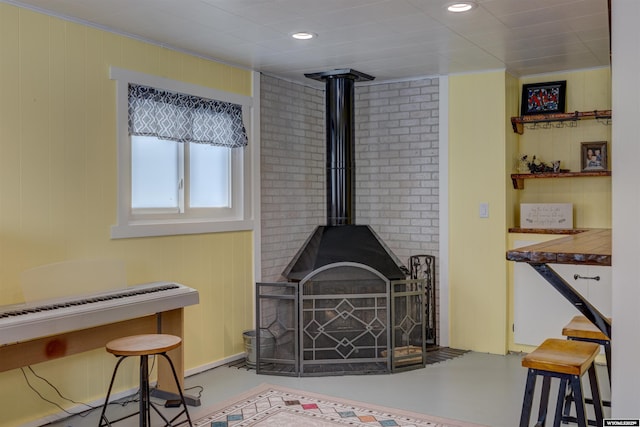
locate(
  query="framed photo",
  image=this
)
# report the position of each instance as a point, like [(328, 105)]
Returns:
[(543, 98), (594, 156)]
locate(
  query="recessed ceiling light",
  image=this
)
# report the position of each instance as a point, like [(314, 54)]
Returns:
[(303, 35), (461, 6)]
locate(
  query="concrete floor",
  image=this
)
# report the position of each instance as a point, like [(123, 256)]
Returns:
[(476, 387)]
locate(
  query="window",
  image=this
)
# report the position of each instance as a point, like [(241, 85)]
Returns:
[(183, 159)]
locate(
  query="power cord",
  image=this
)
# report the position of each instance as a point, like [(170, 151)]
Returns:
[(123, 402), (26, 378), (196, 387)]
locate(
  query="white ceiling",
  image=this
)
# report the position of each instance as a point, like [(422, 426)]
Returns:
[(389, 39)]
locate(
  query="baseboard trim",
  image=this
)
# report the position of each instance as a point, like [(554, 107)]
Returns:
[(217, 363)]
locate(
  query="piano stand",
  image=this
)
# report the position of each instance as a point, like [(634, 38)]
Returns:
[(17, 355)]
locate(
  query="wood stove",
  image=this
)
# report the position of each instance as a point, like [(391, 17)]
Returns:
[(348, 305)]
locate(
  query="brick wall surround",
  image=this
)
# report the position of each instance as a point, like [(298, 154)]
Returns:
[(292, 170), (396, 127), (397, 164)]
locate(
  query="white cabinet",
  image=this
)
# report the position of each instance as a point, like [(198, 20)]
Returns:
[(540, 311)]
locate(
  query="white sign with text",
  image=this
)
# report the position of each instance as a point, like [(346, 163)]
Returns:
[(546, 215)]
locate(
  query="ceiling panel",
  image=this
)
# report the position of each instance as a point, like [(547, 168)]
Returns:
[(395, 39)]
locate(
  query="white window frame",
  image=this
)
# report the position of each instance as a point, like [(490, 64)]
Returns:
[(244, 186)]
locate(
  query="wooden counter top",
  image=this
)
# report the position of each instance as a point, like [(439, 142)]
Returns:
[(592, 247)]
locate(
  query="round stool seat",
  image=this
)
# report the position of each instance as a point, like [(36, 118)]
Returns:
[(143, 345)]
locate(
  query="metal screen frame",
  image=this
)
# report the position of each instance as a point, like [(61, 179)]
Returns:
[(394, 320), (347, 307), (282, 322)]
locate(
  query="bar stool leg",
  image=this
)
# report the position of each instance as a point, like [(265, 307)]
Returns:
[(184, 403), (607, 356), (103, 418), (568, 399), (544, 401), (527, 401), (595, 394), (145, 416), (562, 390), (578, 397)]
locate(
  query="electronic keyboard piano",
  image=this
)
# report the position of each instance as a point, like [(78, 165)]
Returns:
[(22, 322), (48, 329)]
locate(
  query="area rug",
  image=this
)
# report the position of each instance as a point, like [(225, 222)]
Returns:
[(274, 406)]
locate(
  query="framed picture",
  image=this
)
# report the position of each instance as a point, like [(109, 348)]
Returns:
[(543, 98), (594, 156)]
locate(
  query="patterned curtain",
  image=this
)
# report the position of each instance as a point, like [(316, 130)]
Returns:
[(185, 118)]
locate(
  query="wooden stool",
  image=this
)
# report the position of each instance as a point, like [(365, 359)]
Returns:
[(144, 346), (582, 329), (568, 361)]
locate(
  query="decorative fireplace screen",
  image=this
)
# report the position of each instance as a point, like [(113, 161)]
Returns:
[(342, 318)]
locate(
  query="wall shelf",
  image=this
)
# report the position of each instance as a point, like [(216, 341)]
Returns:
[(518, 178), (558, 119)]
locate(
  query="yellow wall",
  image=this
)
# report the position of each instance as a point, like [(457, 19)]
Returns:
[(58, 193), (480, 132), (477, 174)]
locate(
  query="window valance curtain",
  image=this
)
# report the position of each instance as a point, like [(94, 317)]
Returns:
[(185, 118)]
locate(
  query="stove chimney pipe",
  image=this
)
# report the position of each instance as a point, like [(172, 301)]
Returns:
[(339, 100)]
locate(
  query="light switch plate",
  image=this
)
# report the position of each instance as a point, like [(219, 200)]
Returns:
[(484, 210)]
